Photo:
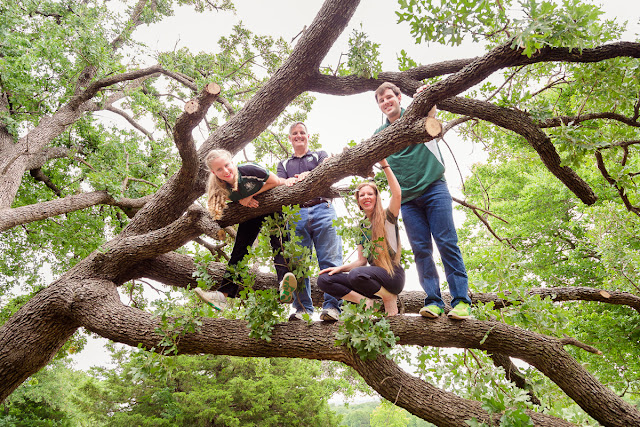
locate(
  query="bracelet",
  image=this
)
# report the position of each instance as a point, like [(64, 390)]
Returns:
[(382, 167)]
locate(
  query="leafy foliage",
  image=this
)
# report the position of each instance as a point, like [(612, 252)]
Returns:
[(262, 311), (175, 322), (363, 56), (52, 397), (535, 25), (282, 226), (448, 22), (365, 331), (549, 239), (216, 389)]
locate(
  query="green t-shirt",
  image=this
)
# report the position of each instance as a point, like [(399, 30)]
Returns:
[(416, 166), (251, 178)]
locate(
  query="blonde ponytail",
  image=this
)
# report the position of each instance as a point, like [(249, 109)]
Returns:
[(378, 218), (217, 190)]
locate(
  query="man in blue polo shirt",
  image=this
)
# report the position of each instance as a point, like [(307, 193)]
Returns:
[(315, 226), (427, 213)]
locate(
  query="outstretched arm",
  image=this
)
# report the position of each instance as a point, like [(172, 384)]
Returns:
[(394, 187), (272, 181)]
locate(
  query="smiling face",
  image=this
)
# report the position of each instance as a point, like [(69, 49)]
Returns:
[(367, 197), (299, 139), (389, 104), (224, 169)]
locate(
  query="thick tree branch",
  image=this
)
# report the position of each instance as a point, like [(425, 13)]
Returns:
[(33, 336), (10, 218), (180, 187), (429, 402), (545, 353), (409, 80), (38, 159), (121, 253), (297, 339), (93, 88), (567, 120), (521, 123), (174, 269)]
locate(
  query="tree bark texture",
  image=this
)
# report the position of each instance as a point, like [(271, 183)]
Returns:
[(86, 296)]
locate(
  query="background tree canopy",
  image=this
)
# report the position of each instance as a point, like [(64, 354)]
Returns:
[(94, 213)]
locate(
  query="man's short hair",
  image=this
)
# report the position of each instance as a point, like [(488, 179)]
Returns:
[(296, 124), (387, 85)]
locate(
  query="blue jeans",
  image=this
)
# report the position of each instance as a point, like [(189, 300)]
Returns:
[(431, 215), (315, 227)]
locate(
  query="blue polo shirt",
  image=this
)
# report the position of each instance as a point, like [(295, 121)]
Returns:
[(296, 165)]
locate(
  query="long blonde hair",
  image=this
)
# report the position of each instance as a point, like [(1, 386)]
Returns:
[(218, 190), (378, 218)]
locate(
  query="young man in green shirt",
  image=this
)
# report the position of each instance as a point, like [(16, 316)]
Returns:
[(427, 213)]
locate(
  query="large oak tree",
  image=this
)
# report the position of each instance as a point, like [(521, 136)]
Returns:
[(104, 206)]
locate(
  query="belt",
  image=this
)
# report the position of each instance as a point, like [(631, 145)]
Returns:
[(313, 202)]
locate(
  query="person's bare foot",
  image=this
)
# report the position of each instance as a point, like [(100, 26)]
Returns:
[(368, 304), (391, 306)]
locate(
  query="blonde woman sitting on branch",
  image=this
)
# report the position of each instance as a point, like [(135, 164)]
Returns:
[(239, 184), (384, 276)]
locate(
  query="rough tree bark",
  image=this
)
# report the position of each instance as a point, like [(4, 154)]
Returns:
[(86, 296)]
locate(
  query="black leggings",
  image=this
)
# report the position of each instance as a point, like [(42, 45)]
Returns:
[(245, 236), (365, 280)]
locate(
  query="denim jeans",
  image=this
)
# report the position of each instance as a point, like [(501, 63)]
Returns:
[(431, 215), (315, 227)]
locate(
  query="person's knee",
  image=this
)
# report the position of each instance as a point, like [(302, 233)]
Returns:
[(323, 282), (422, 249)]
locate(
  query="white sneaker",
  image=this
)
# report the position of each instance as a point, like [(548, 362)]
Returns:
[(330, 315), (215, 299), (296, 316)]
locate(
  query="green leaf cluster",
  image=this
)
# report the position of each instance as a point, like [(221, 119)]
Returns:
[(574, 24), (532, 26), (282, 226), (262, 310), (365, 331), (363, 59), (175, 322), (449, 22)]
